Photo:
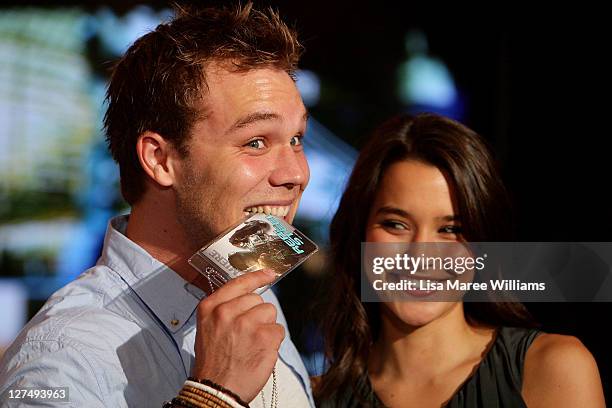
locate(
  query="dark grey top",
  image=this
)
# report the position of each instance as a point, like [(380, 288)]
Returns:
[(496, 382)]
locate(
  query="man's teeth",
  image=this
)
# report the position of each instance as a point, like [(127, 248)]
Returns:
[(266, 209)]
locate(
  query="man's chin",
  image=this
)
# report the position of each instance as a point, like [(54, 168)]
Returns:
[(294, 207)]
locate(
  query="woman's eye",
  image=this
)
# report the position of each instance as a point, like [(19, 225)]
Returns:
[(394, 225), (296, 140), (450, 229), (256, 144)]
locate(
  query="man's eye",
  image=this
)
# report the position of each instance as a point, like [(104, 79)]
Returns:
[(450, 229), (256, 144), (296, 140)]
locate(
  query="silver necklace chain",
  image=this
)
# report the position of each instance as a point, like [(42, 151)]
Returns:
[(274, 397)]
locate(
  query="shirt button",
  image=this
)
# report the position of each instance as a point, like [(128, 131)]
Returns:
[(174, 322)]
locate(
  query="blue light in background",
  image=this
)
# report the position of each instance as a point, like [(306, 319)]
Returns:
[(425, 84)]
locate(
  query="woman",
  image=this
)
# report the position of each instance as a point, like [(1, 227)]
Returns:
[(430, 179)]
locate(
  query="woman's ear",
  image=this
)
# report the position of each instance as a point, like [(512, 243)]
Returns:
[(157, 158)]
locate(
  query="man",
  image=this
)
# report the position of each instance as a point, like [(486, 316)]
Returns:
[(206, 125)]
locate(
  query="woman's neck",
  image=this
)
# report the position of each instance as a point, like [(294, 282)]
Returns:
[(429, 350)]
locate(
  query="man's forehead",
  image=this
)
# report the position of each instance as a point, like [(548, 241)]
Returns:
[(231, 71), (245, 97)]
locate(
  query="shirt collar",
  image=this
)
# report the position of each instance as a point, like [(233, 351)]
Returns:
[(171, 298)]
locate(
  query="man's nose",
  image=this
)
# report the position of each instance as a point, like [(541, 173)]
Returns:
[(290, 168)]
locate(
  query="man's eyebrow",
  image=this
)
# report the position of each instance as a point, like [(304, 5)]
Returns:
[(252, 118), (256, 117)]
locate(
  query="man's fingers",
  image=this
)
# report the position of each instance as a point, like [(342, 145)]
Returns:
[(237, 306), (242, 285), (264, 313), (273, 334)]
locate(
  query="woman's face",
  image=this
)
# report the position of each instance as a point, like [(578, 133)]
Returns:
[(413, 204)]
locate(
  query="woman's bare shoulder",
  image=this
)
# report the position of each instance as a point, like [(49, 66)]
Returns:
[(560, 371)]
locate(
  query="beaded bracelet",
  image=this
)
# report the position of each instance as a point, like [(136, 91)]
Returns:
[(205, 394), (220, 388), (199, 403), (202, 396), (217, 393), (192, 401)]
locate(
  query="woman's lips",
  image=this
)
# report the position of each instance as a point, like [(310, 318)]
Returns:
[(420, 282)]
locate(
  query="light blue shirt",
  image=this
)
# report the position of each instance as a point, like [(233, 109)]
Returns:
[(122, 334)]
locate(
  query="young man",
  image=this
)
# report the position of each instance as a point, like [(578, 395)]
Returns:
[(206, 125)]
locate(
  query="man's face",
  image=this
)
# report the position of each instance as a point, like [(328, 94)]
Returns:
[(246, 155)]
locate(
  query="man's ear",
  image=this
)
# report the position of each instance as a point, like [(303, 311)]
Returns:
[(157, 158)]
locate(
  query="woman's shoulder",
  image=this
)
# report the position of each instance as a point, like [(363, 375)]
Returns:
[(564, 367), (556, 353)]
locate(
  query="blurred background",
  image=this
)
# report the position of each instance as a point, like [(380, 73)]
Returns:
[(533, 82)]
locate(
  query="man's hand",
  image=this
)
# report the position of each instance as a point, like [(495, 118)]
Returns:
[(237, 338)]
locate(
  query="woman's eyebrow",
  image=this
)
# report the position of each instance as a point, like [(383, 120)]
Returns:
[(406, 214), (452, 217), (393, 210)]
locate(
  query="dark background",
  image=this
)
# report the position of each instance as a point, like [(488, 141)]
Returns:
[(535, 83)]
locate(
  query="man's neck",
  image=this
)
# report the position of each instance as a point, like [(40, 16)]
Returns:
[(162, 237)]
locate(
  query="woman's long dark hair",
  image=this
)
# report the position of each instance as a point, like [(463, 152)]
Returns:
[(481, 201)]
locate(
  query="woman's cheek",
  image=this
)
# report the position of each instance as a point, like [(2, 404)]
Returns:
[(372, 234), (379, 234)]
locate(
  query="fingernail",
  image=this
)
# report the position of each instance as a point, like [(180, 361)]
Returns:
[(270, 272)]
